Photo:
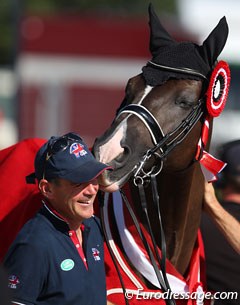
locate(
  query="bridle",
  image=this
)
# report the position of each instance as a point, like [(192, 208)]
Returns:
[(163, 145)]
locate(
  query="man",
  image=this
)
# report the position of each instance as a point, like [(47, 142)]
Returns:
[(57, 258), (221, 233)]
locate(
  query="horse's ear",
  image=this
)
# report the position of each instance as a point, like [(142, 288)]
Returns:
[(159, 37), (215, 42)]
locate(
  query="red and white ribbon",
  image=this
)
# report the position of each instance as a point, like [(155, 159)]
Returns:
[(210, 165), (218, 88)]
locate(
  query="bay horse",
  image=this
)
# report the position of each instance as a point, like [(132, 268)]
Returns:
[(156, 133)]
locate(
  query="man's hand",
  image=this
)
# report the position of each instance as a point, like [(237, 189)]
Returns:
[(209, 199), (226, 223)]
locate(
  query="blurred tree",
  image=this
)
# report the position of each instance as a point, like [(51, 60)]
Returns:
[(10, 11), (133, 7), (6, 38)]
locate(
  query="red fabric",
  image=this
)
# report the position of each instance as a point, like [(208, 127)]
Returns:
[(78, 246), (113, 282), (19, 200), (117, 298)]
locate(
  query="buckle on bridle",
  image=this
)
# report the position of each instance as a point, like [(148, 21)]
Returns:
[(141, 176)]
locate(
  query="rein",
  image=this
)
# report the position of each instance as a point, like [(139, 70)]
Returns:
[(162, 273), (163, 145)]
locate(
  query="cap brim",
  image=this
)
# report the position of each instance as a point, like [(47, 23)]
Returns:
[(87, 172)]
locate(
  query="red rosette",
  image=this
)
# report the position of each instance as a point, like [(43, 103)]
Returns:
[(218, 88)]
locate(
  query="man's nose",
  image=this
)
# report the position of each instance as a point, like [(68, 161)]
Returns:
[(92, 187)]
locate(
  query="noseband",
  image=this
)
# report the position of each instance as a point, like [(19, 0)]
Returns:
[(163, 143)]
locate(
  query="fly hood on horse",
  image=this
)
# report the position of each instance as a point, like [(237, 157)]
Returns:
[(173, 82), (158, 142)]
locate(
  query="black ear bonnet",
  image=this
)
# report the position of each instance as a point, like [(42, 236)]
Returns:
[(168, 53)]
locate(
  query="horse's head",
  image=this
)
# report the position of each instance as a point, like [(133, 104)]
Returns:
[(159, 118)]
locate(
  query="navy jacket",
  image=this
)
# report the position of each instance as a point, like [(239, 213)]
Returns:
[(45, 267)]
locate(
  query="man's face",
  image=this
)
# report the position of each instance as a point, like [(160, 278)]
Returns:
[(73, 201)]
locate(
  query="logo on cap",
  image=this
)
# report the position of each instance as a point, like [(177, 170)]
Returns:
[(78, 150)]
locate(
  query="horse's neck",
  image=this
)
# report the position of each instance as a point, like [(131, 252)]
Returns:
[(180, 204)]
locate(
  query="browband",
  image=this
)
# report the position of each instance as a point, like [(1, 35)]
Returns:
[(180, 70)]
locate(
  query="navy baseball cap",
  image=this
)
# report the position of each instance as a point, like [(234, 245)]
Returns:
[(66, 157)]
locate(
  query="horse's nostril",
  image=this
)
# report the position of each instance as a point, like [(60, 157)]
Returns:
[(127, 149), (122, 158)]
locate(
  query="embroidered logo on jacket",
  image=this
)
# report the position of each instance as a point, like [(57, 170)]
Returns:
[(95, 254), (13, 281)]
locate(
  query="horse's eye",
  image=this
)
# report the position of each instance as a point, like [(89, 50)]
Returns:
[(183, 103)]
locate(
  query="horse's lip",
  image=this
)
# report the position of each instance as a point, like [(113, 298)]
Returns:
[(110, 188), (108, 183), (124, 179)]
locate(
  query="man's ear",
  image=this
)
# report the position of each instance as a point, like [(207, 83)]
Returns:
[(45, 188)]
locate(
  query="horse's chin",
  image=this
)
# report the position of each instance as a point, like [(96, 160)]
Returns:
[(108, 185), (109, 188)]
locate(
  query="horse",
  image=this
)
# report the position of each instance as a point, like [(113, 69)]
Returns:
[(155, 136)]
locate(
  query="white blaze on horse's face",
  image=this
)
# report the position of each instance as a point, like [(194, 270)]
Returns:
[(146, 91), (112, 148)]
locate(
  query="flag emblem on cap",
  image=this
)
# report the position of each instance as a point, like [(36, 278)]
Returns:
[(78, 150)]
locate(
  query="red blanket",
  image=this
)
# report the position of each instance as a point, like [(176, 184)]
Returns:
[(20, 201)]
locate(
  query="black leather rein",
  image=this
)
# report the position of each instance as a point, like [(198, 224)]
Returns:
[(163, 145)]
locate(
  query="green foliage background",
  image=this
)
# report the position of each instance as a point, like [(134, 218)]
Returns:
[(134, 7), (12, 10)]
